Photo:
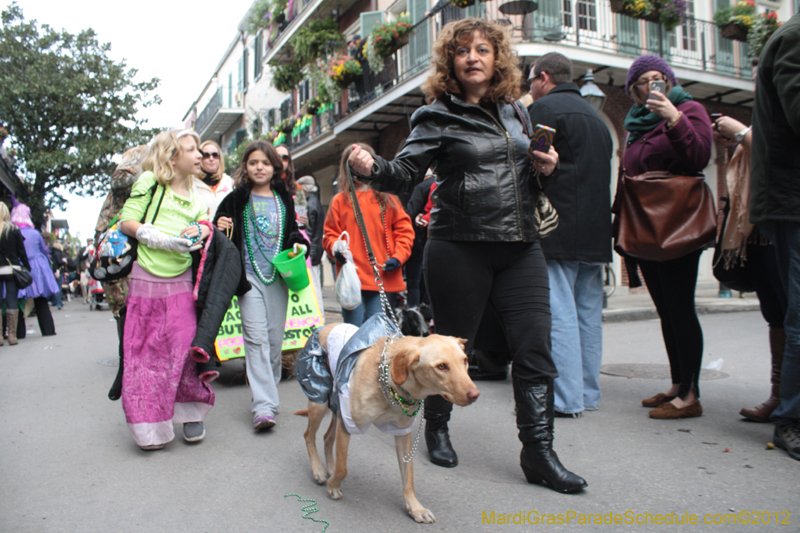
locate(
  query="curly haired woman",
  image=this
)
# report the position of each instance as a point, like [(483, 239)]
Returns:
[(483, 221)]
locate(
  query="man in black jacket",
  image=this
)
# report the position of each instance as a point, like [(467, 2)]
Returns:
[(315, 231), (775, 202), (577, 250)]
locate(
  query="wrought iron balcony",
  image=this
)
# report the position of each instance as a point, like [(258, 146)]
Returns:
[(215, 119)]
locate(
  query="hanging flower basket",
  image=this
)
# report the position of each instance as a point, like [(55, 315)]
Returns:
[(343, 71), (734, 31), (462, 3), (653, 16), (618, 6), (401, 41)]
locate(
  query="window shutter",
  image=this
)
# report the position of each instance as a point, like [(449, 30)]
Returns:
[(257, 56), (368, 21), (240, 82), (239, 137), (230, 89), (245, 59), (628, 29), (419, 46), (547, 19), (475, 10)]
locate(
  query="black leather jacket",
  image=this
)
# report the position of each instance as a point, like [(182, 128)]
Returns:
[(485, 190)]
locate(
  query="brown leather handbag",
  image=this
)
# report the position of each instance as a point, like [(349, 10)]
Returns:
[(662, 216)]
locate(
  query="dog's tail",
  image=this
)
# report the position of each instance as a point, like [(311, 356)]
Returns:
[(302, 412)]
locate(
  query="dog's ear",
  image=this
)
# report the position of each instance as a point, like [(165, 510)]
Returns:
[(462, 343), (402, 361)]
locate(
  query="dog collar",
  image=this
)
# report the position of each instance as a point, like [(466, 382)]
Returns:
[(391, 395)]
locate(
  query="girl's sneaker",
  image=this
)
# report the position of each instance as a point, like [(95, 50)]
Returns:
[(264, 422)]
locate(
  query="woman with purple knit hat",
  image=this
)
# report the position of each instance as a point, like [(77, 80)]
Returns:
[(44, 283), (669, 131)]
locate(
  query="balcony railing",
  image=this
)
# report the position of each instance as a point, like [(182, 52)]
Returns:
[(585, 24), (591, 26), (210, 110)]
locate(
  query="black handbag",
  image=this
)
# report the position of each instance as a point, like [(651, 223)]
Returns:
[(22, 276), (115, 252), (737, 276)]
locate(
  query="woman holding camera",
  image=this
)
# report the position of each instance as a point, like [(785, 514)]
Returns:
[(670, 132), (483, 222)]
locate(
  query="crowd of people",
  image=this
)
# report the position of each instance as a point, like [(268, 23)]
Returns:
[(473, 220)]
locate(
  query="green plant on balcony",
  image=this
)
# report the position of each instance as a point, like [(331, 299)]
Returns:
[(286, 77), (764, 25), (638, 9), (385, 40), (3, 134), (671, 13), (312, 41), (463, 3), (735, 21), (260, 16)]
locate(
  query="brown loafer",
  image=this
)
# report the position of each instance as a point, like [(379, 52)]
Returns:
[(668, 411), (657, 400)]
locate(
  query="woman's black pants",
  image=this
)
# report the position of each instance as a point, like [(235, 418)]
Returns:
[(463, 278), (672, 287)]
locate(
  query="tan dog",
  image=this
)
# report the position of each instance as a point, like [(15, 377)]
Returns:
[(423, 367)]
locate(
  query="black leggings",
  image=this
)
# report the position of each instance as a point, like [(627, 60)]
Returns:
[(463, 278), (672, 286)]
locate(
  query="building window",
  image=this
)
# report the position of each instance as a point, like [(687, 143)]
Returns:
[(230, 89), (587, 15), (567, 11)]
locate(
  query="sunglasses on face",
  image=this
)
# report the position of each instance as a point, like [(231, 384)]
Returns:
[(285, 157), (210, 155)]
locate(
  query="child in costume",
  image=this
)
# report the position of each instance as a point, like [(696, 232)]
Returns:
[(160, 382), (260, 212)]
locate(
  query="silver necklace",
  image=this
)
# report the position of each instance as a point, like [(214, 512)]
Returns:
[(393, 398)]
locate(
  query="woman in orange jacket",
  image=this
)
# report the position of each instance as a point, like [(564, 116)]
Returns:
[(390, 234)]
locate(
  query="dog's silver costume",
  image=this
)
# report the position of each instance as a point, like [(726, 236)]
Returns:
[(316, 367)]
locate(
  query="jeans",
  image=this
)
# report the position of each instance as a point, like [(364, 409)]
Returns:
[(370, 305), (263, 311), (413, 279), (576, 304), (786, 238)]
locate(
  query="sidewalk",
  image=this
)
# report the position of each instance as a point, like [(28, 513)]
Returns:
[(624, 305)]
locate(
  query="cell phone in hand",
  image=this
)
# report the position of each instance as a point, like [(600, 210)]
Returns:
[(657, 86), (541, 140), (715, 116)]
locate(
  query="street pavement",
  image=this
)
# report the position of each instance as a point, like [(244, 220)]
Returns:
[(68, 462)]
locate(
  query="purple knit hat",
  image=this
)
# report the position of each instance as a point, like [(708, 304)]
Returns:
[(647, 63), (21, 214)]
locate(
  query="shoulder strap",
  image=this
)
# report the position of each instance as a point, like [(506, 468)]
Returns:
[(518, 109), (146, 209)]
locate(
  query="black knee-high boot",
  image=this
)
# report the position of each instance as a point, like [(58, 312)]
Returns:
[(115, 392), (535, 422), (437, 414)]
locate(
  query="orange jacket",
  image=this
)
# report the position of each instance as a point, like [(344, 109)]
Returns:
[(399, 237)]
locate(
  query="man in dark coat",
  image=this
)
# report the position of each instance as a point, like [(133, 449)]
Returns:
[(577, 250), (315, 231), (775, 202)]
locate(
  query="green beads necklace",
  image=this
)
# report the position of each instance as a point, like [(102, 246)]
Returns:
[(250, 217)]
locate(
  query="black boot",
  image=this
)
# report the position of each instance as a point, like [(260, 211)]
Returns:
[(437, 414), (535, 422), (115, 392)]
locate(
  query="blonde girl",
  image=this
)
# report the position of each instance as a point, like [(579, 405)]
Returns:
[(160, 383), (12, 252), (260, 215)]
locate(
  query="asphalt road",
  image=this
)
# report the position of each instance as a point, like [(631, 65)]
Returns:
[(68, 462)]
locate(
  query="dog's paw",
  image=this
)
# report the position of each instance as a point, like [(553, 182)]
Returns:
[(422, 515), (334, 492), (319, 476)]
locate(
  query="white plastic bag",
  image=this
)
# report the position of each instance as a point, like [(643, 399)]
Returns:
[(348, 286)]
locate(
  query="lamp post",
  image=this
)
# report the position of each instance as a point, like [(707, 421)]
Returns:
[(592, 93)]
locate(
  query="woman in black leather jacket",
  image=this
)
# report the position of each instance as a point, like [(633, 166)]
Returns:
[(483, 244)]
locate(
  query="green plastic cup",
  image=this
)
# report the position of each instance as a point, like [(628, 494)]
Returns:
[(292, 270)]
